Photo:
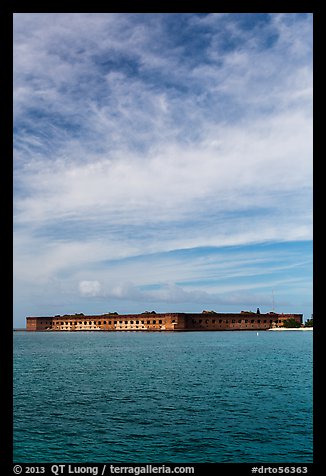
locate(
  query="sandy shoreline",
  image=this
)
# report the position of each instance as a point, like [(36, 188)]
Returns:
[(291, 329)]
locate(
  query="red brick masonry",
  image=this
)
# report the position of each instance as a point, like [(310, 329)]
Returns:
[(205, 321)]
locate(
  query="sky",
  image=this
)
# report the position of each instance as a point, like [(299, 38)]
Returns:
[(162, 162)]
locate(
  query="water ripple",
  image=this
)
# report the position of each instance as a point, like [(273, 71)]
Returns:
[(217, 397)]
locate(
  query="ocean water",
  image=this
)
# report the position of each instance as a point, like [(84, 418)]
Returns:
[(160, 397)]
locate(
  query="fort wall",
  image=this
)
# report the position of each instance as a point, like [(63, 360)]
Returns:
[(238, 321), (161, 322)]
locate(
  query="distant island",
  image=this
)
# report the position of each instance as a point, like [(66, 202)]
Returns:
[(152, 321)]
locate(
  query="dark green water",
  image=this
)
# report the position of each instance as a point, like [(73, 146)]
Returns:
[(130, 397)]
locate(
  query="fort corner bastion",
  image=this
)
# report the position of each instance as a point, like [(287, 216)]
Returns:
[(152, 321)]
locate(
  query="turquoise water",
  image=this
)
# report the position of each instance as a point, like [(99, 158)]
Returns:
[(130, 397)]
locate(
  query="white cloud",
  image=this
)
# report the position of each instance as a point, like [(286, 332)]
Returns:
[(258, 178), (89, 288)]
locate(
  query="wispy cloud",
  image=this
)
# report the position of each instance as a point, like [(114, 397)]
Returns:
[(139, 134)]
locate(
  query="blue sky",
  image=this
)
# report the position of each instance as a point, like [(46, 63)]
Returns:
[(162, 162)]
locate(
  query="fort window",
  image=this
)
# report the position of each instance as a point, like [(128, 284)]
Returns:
[(126, 322), (265, 320), (233, 321), (137, 322), (99, 323), (104, 322), (252, 320), (258, 321), (143, 322), (213, 321), (85, 323), (199, 321), (271, 321), (154, 322), (173, 321), (110, 323), (131, 322), (115, 322), (220, 321), (246, 320), (148, 322), (206, 321), (239, 321), (160, 321)]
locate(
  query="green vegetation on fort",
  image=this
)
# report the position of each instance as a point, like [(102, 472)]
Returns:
[(309, 323), (291, 323)]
